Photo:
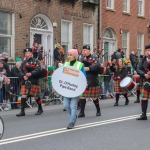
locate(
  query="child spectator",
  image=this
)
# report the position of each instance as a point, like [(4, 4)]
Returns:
[(8, 91)]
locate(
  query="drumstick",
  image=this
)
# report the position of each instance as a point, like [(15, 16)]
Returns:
[(136, 75)]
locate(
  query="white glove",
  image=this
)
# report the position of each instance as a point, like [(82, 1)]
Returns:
[(60, 64), (86, 68)]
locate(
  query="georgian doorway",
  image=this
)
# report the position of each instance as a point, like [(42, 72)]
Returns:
[(41, 28), (109, 43)]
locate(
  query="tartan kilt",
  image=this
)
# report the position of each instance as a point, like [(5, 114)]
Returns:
[(138, 87), (144, 93), (117, 87), (34, 91), (92, 92)]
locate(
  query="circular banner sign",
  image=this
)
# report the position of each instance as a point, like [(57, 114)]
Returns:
[(68, 81), (1, 127)]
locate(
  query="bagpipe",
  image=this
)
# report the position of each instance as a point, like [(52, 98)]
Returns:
[(89, 61), (30, 66)]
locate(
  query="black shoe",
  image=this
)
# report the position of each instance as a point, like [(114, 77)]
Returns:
[(20, 114), (81, 115), (116, 104), (137, 101), (78, 107), (39, 112), (142, 118), (70, 126), (98, 113), (126, 103), (64, 109)]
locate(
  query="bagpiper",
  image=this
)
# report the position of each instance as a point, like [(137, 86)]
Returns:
[(29, 71), (143, 69)]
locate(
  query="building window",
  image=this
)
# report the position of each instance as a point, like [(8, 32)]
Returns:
[(88, 35), (66, 35), (141, 7), (140, 43), (110, 4), (39, 22), (126, 6), (6, 29), (108, 33), (125, 42)]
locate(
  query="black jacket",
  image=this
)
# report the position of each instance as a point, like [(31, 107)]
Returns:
[(6, 67), (109, 73), (57, 55), (31, 66), (15, 72), (142, 68), (94, 69), (134, 61), (121, 73)]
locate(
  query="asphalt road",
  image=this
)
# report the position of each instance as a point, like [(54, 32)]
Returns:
[(116, 129)]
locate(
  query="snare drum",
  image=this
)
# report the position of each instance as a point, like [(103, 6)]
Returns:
[(127, 83), (136, 79)]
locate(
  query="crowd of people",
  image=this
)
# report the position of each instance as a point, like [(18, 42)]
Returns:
[(102, 78), (118, 67)]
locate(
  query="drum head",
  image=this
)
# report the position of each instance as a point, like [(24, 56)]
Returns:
[(1, 127), (125, 82)]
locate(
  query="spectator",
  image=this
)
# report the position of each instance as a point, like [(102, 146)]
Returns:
[(2, 76), (35, 50), (107, 80), (62, 54), (43, 81), (113, 56), (4, 58), (8, 91), (101, 81), (57, 55), (119, 54), (40, 52), (129, 69), (134, 60), (15, 72)]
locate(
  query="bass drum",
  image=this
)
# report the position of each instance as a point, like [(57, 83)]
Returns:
[(127, 84), (1, 127)]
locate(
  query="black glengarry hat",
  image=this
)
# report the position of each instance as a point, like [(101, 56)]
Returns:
[(86, 47), (27, 50), (147, 47)]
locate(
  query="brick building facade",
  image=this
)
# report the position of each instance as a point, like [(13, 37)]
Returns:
[(50, 21), (124, 24)]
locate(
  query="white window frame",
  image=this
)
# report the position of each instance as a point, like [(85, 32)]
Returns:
[(126, 6), (90, 35), (69, 43), (110, 4), (11, 36), (140, 43), (141, 7), (125, 42)]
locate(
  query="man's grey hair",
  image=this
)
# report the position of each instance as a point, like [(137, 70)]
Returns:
[(4, 54)]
